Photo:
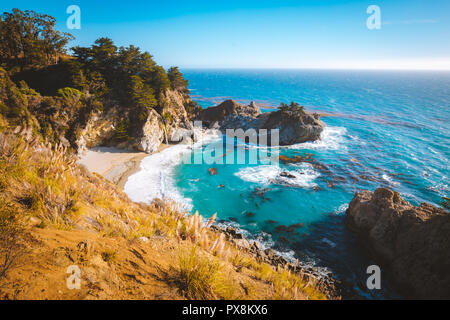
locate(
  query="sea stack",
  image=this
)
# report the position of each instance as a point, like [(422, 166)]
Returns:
[(295, 126)]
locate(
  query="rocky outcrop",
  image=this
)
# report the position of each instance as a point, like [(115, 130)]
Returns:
[(325, 282), (228, 111), (212, 171), (99, 129), (152, 133), (176, 119), (168, 123), (411, 242), (294, 127)]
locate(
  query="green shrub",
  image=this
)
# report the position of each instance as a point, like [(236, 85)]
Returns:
[(168, 117), (25, 89), (4, 110), (122, 130), (70, 93)]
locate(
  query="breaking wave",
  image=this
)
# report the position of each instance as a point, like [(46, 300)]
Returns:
[(302, 176), (332, 138), (156, 179)]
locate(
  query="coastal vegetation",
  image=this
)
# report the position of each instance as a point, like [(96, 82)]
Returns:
[(70, 89), (47, 189), (28, 38), (292, 108), (54, 213)]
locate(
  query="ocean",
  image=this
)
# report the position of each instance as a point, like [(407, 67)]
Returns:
[(383, 128)]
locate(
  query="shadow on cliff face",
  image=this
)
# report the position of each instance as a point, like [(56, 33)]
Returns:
[(413, 242), (330, 245)]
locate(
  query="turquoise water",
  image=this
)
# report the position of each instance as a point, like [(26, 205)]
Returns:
[(386, 129), (389, 129)]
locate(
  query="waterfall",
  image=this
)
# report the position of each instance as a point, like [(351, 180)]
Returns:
[(165, 134), (164, 127)]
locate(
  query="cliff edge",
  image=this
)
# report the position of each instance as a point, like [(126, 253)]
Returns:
[(412, 242)]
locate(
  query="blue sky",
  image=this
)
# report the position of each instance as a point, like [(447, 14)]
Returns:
[(266, 34)]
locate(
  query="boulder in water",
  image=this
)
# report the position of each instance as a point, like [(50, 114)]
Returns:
[(287, 175), (294, 127), (212, 171), (411, 242)]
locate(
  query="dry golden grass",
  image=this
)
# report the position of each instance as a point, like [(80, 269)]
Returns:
[(198, 275), (45, 182), (109, 255)]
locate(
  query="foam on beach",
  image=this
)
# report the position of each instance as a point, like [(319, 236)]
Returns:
[(157, 177)]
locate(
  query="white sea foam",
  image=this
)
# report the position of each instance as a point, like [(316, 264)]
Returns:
[(332, 138), (341, 209), (156, 179), (390, 180), (302, 176), (441, 189), (265, 241)]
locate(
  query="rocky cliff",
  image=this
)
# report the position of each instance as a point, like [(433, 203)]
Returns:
[(412, 242), (169, 122), (294, 126)]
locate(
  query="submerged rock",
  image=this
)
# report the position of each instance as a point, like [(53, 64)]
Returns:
[(293, 127), (212, 171), (287, 175), (412, 242), (294, 159), (233, 233)]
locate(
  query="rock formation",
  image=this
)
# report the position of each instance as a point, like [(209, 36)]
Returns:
[(152, 133), (168, 123), (330, 286), (176, 118), (212, 171), (411, 242), (294, 127)]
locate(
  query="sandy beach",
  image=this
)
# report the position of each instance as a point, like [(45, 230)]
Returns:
[(114, 164)]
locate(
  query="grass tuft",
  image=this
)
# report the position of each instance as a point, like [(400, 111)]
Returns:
[(198, 275)]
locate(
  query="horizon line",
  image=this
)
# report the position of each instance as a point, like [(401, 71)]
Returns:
[(314, 68)]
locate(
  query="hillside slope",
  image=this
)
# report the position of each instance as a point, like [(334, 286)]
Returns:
[(54, 214)]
